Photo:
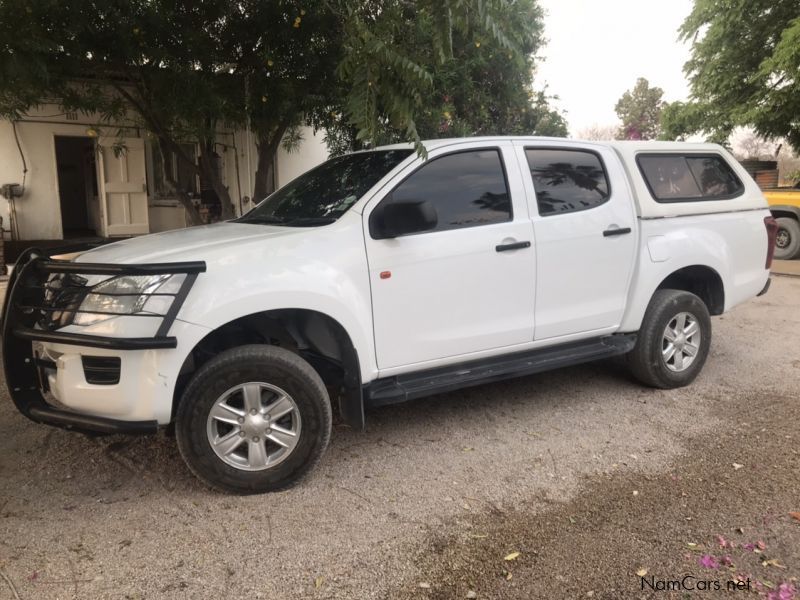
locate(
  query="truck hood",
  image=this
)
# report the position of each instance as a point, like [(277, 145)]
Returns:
[(194, 243)]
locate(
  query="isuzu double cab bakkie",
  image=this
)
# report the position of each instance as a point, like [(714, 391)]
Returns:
[(382, 276)]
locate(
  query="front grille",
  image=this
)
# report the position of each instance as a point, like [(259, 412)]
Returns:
[(101, 370)]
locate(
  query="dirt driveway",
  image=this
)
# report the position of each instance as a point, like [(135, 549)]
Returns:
[(589, 477)]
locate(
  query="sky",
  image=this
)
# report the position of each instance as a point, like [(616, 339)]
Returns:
[(597, 49)]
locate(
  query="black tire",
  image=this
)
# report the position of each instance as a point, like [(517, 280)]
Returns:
[(255, 363), (646, 361), (787, 241)]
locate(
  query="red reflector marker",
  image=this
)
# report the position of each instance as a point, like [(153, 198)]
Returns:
[(386, 274)]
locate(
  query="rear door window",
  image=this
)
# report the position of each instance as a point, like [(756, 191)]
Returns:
[(689, 177), (567, 180)]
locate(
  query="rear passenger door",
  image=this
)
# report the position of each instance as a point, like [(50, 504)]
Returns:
[(584, 223), (467, 285)]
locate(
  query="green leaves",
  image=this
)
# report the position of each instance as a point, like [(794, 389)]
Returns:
[(429, 82), (373, 71), (743, 69), (639, 110)]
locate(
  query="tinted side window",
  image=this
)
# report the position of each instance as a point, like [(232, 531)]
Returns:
[(567, 180), (466, 189), (687, 178)]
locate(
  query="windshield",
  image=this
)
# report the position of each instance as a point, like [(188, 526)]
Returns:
[(324, 193)]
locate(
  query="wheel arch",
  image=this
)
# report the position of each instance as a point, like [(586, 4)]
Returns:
[(315, 336), (700, 280), (791, 212)]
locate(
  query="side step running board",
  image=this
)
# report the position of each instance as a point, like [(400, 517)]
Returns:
[(392, 390)]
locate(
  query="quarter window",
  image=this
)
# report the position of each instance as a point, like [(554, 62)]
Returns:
[(467, 189), (688, 178), (567, 180)]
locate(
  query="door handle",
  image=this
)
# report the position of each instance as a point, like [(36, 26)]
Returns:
[(616, 231), (512, 246)]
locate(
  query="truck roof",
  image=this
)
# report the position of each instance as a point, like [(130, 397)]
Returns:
[(631, 145)]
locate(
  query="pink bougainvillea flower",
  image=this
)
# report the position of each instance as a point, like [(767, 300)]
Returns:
[(727, 561), (709, 562), (749, 547), (785, 591), (723, 543)]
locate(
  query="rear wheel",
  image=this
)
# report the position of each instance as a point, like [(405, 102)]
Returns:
[(673, 342), (253, 419), (787, 240)]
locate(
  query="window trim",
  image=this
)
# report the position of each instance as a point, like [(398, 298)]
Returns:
[(569, 149), (498, 149), (685, 155)]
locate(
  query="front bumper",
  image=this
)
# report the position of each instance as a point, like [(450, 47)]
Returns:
[(37, 360)]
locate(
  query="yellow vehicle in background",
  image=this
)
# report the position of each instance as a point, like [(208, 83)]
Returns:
[(784, 203)]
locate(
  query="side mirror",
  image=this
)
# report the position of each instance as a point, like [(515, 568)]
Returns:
[(403, 217)]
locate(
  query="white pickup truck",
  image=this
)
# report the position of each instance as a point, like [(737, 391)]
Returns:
[(379, 277)]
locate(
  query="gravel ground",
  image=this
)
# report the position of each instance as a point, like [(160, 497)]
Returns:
[(429, 501)]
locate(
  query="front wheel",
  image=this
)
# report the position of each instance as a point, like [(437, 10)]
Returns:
[(253, 419), (673, 342)]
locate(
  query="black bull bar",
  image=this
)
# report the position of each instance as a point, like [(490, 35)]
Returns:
[(43, 295)]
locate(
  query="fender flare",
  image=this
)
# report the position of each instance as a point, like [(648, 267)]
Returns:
[(794, 210)]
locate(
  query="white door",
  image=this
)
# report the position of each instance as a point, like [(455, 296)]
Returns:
[(585, 237), (468, 284), (123, 186)]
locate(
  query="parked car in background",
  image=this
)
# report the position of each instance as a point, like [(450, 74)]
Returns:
[(784, 204), (379, 277)]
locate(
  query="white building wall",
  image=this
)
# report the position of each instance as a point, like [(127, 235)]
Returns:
[(312, 151), (39, 211)]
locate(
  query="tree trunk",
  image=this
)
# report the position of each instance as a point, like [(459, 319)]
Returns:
[(267, 146), (205, 168), (264, 168), (209, 171), (183, 197)]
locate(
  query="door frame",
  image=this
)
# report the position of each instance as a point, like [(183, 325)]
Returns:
[(520, 212), (618, 183), (55, 133)]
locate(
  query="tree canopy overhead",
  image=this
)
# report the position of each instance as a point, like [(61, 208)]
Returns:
[(744, 70), (182, 69), (486, 88)]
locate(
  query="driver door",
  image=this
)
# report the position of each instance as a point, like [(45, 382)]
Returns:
[(465, 286)]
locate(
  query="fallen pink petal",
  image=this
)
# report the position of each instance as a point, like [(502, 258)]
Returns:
[(709, 562), (785, 591)]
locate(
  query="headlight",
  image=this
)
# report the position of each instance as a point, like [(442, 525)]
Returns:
[(128, 295)]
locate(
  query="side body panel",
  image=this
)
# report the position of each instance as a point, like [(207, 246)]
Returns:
[(733, 244)]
